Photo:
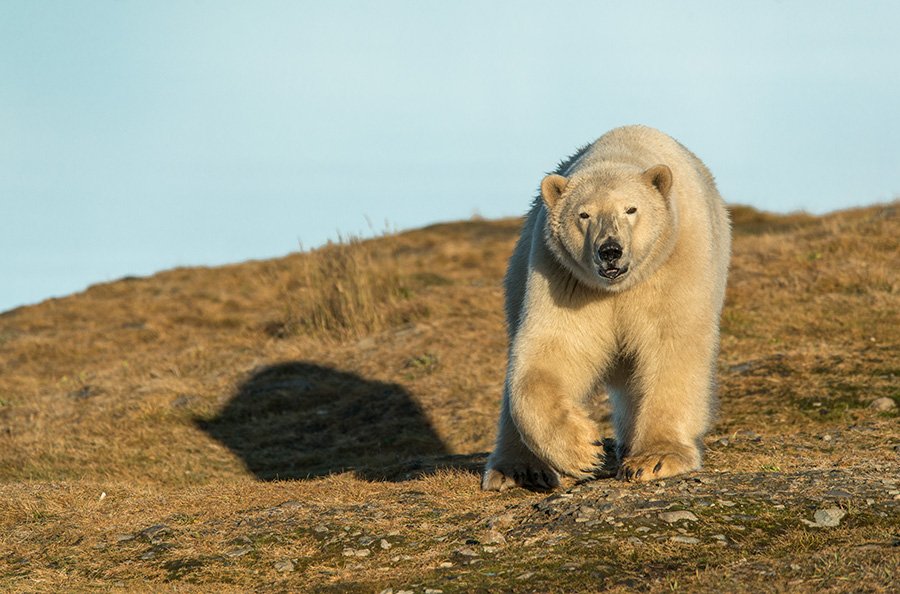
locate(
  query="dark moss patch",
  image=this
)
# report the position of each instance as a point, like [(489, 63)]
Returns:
[(179, 569)]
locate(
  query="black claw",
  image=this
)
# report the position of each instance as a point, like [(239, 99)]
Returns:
[(639, 473), (599, 443), (657, 468), (629, 474)]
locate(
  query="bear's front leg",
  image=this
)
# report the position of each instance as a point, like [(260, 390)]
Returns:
[(549, 383), (666, 412), (512, 464)]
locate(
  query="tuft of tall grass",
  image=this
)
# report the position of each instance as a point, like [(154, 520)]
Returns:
[(349, 292)]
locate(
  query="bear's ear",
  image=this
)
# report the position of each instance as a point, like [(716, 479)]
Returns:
[(552, 188), (660, 177)]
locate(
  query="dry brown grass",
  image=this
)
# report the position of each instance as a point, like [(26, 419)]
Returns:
[(360, 384), (345, 293)]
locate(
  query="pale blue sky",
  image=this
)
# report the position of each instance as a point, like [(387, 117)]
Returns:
[(137, 136)]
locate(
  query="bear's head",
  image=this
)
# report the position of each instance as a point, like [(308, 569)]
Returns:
[(611, 228)]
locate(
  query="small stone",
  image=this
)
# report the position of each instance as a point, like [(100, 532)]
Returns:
[(387, 591), (446, 564), (239, 552), (124, 537), (490, 549), (883, 404), (675, 516), (642, 529), (385, 545), (719, 537), (634, 540), (154, 532), (741, 367), (467, 552), (685, 539), (284, 566), (433, 591), (504, 520), (321, 528), (181, 401), (84, 393), (524, 576), (837, 493), (829, 517)]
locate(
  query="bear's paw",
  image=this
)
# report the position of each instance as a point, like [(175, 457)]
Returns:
[(506, 476)]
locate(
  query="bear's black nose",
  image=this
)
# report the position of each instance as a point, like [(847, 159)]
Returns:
[(609, 251)]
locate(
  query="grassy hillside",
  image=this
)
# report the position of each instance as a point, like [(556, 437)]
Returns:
[(318, 422)]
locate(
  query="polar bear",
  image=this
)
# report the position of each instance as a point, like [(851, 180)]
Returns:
[(616, 284)]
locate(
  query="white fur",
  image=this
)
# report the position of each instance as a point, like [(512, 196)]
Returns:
[(648, 337)]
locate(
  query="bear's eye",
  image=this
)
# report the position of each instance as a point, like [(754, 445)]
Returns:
[(631, 210), (585, 215)]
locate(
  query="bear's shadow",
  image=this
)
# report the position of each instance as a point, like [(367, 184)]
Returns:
[(300, 420)]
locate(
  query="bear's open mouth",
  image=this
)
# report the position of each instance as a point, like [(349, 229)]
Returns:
[(613, 273)]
